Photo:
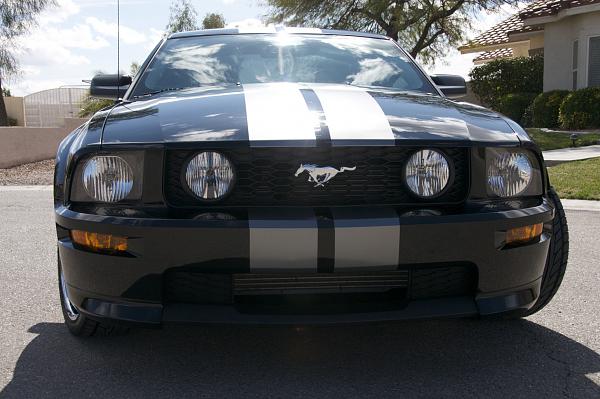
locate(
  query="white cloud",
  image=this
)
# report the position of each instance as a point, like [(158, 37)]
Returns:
[(25, 87), (59, 13), (46, 53), (78, 36), (30, 71), (49, 46), (112, 3), (109, 29), (154, 36)]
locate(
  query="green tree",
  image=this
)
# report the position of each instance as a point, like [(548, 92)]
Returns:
[(424, 27), (16, 18), (6, 92), (213, 21), (91, 105), (134, 68), (183, 17)]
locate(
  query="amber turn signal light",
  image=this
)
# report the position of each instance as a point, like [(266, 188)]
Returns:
[(99, 242), (521, 235)]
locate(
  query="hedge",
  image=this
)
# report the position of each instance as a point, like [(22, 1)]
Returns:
[(515, 105), (546, 107), (499, 78), (581, 109)]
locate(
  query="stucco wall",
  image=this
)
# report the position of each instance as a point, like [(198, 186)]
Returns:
[(20, 145), (558, 50), (15, 109)]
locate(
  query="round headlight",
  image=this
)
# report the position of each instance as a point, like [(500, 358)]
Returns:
[(427, 173), (209, 175), (107, 178), (509, 173)]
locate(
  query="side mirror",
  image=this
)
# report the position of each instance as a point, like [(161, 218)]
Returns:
[(111, 87), (451, 85)]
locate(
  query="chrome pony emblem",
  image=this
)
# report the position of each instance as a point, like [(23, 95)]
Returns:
[(321, 174)]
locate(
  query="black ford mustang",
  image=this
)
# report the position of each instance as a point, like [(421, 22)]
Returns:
[(298, 176)]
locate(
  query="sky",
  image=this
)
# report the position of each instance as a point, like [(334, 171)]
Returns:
[(77, 38)]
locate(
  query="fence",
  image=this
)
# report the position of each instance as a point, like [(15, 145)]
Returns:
[(49, 108)]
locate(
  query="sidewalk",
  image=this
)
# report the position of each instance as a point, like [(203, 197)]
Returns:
[(555, 157), (580, 205), (570, 132)]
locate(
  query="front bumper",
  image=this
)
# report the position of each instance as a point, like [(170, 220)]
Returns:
[(299, 241)]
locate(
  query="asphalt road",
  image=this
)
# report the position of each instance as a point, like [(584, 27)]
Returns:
[(552, 354)]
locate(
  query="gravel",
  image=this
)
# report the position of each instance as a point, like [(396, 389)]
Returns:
[(31, 174)]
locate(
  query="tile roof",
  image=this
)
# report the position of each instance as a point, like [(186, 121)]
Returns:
[(552, 7), (499, 33), (495, 54)]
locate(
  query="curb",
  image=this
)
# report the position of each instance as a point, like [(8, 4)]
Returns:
[(25, 188), (581, 205)]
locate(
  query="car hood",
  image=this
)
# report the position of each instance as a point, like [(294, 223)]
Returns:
[(299, 114)]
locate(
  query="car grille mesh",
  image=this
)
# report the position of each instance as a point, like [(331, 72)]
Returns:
[(274, 284), (265, 177), (188, 286)]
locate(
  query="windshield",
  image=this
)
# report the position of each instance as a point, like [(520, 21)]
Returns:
[(267, 58)]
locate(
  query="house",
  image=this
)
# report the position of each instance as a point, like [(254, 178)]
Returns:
[(565, 32)]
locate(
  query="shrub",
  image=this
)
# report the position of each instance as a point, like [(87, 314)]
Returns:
[(546, 107), (514, 105), (12, 121), (507, 76), (581, 109), (527, 119)]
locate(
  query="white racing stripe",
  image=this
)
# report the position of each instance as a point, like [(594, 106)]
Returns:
[(283, 241), (352, 114), (277, 112), (371, 242)]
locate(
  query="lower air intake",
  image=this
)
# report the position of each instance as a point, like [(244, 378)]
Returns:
[(278, 284)]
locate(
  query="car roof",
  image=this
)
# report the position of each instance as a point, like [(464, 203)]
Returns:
[(273, 29)]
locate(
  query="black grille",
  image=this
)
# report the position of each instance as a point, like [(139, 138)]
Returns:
[(419, 283), (265, 177), (281, 284)]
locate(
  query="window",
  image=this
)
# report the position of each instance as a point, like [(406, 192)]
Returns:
[(244, 59), (594, 62), (575, 62)]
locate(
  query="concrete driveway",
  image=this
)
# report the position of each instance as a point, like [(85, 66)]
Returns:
[(552, 354)]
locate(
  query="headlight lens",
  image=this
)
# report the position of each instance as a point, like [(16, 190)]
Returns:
[(508, 173), (107, 178), (209, 175), (427, 173)]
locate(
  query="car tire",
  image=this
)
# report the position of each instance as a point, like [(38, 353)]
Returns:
[(77, 323), (556, 263)]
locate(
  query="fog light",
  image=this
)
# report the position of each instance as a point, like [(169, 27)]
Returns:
[(99, 242), (524, 234)]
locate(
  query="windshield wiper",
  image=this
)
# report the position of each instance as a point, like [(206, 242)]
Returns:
[(151, 93)]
